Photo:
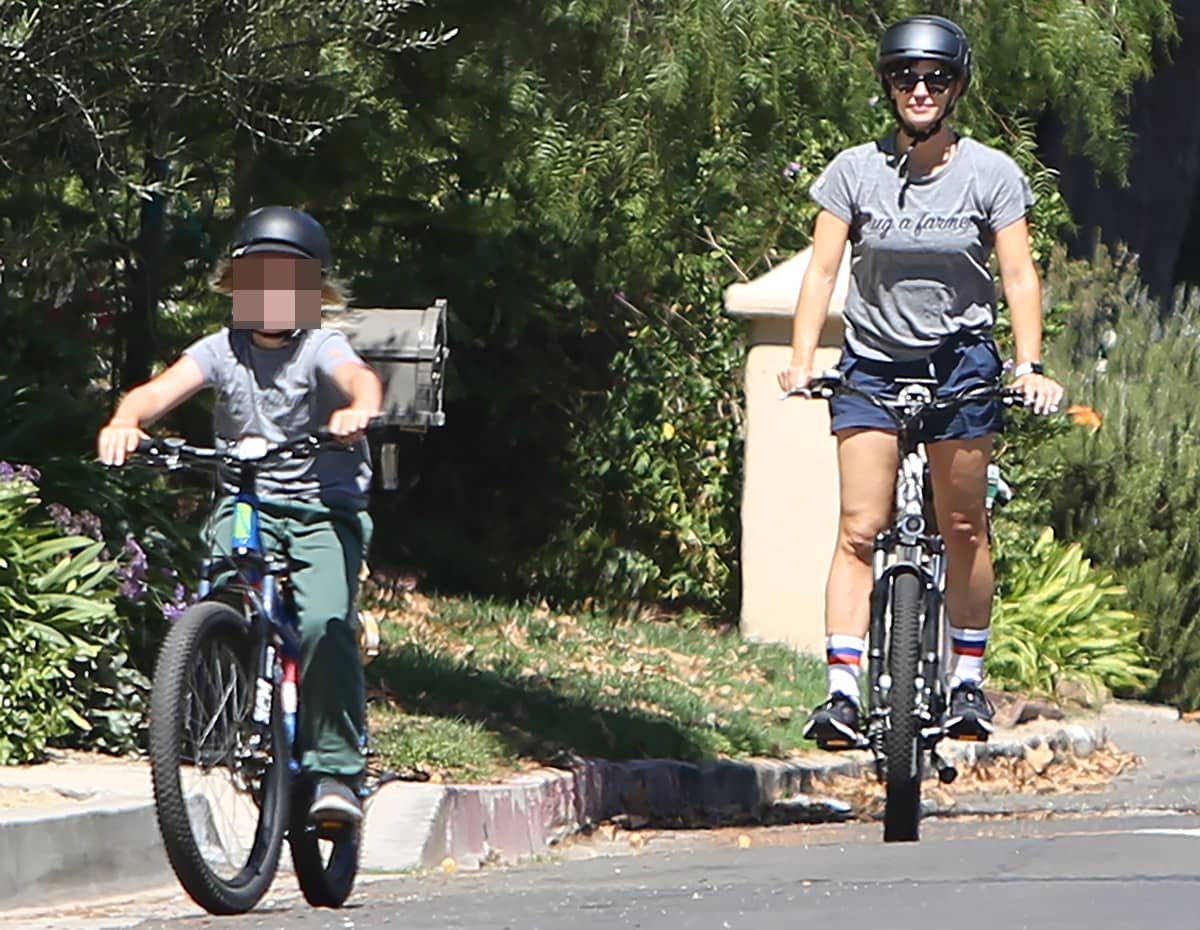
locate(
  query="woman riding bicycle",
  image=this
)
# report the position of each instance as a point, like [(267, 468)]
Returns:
[(277, 374), (923, 208)]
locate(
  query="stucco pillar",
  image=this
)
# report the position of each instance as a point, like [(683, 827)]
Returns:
[(790, 493)]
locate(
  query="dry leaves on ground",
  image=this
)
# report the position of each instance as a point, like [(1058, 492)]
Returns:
[(1031, 774)]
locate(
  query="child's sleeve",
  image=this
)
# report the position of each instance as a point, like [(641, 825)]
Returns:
[(206, 353), (335, 350)]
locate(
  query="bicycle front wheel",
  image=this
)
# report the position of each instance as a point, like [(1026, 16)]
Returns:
[(220, 781), (902, 739)]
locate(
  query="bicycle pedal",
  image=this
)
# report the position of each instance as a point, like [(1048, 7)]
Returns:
[(840, 745), (332, 829)]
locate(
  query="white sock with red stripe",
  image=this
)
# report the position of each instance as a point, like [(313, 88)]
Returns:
[(843, 656), (969, 647)]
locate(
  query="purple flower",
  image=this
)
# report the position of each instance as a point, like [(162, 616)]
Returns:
[(6, 471), (63, 518), (132, 588), (792, 169), (90, 525), (29, 473), (180, 602), (137, 558), (73, 524)]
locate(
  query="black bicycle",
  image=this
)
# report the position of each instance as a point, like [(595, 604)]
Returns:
[(227, 781), (908, 636)]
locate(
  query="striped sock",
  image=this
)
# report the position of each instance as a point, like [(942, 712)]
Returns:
[(969, 647), (843, 656)]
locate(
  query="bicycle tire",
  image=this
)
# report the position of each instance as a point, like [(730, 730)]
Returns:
[(326, 865), (902, 739), (177, 695)]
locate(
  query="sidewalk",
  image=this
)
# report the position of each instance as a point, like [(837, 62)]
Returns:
[(83, 826)]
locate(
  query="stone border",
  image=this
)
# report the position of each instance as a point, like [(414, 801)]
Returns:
[(469, 826)]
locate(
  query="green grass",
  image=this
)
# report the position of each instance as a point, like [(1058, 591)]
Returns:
[(475, 690)]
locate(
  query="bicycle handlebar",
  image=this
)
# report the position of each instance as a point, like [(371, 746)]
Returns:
[(175, 453), (901, 408)]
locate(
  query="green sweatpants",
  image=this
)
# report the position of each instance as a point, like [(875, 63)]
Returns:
[(332, 544)]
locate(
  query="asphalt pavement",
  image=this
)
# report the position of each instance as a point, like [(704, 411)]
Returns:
[(83, 842)]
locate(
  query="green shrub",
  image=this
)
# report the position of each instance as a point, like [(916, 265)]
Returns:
[(64, 671), (1129, 491), (1063, 619)]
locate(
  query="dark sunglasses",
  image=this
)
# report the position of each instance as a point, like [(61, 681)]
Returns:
[(905, 79)]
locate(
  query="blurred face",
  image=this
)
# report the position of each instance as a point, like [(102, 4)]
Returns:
[(922, 90), (273, 292)]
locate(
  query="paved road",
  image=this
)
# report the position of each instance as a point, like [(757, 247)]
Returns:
[(1126, 856), (998, 874)]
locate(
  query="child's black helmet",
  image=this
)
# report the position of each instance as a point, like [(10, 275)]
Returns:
[(282, 229), (925, 36)]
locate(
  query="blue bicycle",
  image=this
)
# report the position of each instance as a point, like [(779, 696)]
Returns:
[(227, 782)]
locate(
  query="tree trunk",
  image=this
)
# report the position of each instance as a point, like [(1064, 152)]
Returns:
[(145, 277)]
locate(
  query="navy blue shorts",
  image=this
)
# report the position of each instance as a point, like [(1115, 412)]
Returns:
[(961, 361)]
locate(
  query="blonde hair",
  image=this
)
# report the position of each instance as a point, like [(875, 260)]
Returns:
[(335, 294)]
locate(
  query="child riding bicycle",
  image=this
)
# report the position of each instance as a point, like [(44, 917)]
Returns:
[(277, 374)]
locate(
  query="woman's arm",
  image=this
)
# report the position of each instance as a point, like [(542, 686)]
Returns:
[(1023, 292), (830, 234)]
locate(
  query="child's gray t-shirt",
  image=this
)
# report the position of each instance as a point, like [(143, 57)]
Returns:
[(920, 248), (283, 394)]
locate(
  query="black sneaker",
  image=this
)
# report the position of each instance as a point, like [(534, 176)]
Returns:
[(335, 802), (971, 713), (834, 725)]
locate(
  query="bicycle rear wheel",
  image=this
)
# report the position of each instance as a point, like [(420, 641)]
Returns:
[(325, 857), (220, 781), (902, 739)]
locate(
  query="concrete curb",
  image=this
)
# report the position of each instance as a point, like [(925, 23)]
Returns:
[(525, 817), (61, 855), (99, 847)]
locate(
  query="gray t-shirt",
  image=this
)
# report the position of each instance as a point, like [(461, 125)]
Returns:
[(920, 248), (283, 394)]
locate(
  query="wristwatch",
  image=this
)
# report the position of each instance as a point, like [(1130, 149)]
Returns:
[(1028, 368)]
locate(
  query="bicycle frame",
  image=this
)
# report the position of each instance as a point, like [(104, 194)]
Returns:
[(912, 545), (258, 576)]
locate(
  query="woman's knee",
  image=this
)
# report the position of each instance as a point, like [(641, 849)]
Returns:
[(857, 538), (965, 529)]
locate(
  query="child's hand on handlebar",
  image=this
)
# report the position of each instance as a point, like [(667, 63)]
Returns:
[(350, 423), (116, 441)]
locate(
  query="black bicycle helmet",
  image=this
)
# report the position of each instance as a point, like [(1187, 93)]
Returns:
[(929, 37), (282, 229)]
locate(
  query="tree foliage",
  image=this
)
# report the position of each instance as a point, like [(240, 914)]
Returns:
[(581, 178)]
